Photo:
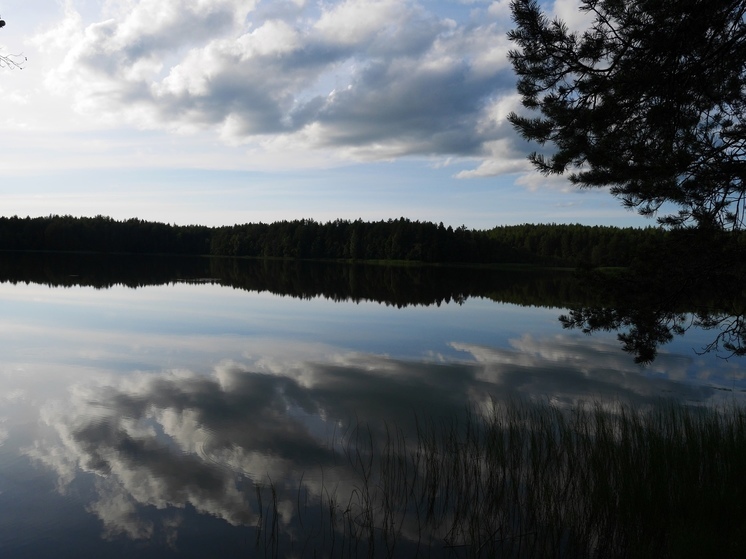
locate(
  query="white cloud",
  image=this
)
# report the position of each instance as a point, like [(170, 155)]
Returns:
[(503, 160), (536, 181), (569, 12), (364, 79), (352, 22), (500, 9)]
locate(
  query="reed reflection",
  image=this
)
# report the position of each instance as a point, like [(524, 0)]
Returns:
[(356, 448), (179, 439)]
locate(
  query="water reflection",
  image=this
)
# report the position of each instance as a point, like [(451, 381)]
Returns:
[(649, 307), (175, 417), (398, 286), (178, 439)]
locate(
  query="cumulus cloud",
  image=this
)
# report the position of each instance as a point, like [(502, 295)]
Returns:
[(366, 79)]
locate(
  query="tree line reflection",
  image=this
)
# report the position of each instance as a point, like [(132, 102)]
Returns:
[(696, 282), (648, 304), (398, 286)]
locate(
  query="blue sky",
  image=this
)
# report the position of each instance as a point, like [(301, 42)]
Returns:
[(231, 111)]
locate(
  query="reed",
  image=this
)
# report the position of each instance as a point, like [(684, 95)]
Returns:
[(533, 480)]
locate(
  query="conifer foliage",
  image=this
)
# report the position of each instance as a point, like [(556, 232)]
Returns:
[(648, 101)]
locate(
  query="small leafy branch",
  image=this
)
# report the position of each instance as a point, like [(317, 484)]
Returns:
[(12, 61)]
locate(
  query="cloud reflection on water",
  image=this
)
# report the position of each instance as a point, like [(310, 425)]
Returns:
[(178, 438)]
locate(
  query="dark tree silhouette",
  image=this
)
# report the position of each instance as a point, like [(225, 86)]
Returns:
[(13, 61), (648, 101), (400, 239)]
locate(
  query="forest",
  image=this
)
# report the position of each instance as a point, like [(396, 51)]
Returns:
[(392, 240)]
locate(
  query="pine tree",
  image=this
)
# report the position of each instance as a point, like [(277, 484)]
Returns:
[(648, 101)]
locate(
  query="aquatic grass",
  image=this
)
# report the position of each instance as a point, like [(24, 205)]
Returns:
[(524, 479)]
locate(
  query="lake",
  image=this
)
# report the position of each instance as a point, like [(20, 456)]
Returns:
[(217, 408)]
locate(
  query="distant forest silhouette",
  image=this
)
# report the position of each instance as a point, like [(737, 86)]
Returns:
[(396, 239)]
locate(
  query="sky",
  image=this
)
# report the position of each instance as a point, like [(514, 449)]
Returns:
[(217, 112)]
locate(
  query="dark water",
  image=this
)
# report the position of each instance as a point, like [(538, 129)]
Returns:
[(159, 407)]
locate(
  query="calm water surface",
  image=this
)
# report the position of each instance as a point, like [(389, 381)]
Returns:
[(144, 420)]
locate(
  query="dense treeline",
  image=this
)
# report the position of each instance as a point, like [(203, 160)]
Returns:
[(101, 234), (578, 245), (402, 239), (398, 239)]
